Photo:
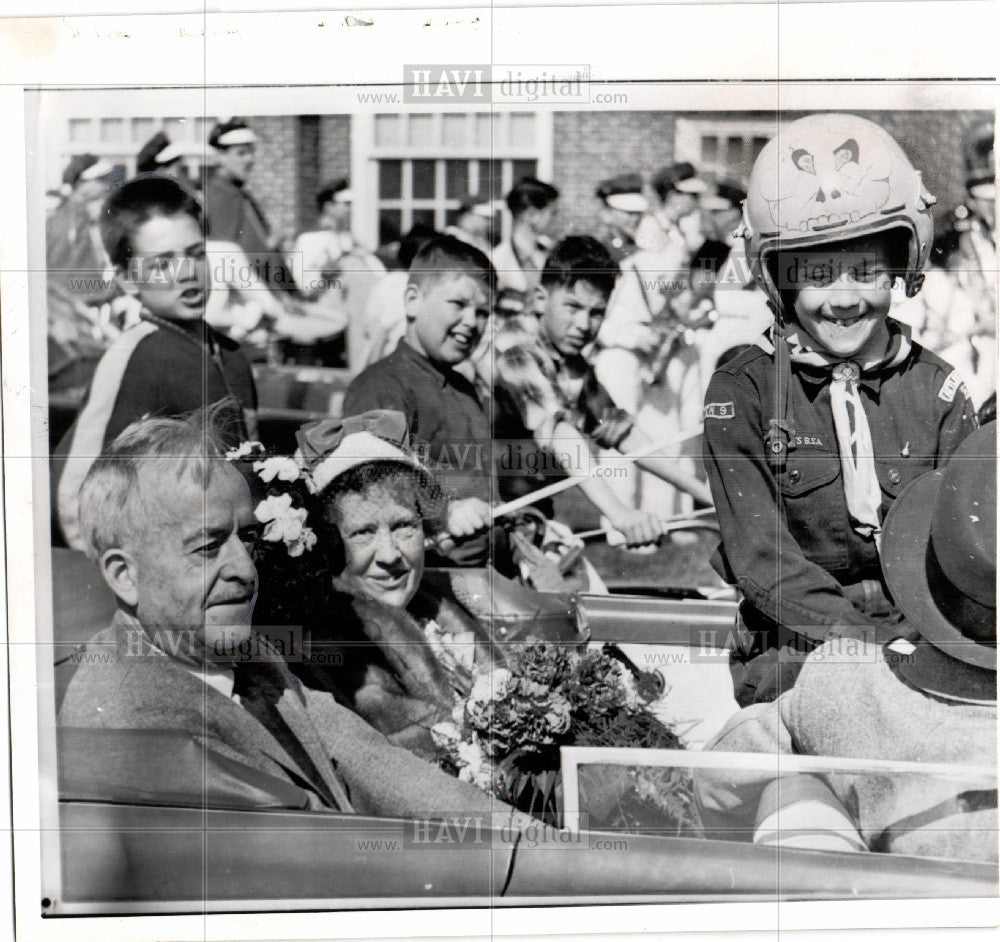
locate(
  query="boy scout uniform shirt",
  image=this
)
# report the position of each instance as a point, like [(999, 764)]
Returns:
[(787, 539)]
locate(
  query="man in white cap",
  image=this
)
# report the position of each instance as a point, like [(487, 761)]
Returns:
[(627, 336), (317, 251), (333, 273), (233, 214), (678, 188), (246, 262), (927, 696), (623, 204), (161, 155)]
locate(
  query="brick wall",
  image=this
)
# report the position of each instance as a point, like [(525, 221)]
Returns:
[(591, 146), (334, 147), (935, 143), (310, 168), (334, 150), (275, 179), (297, 155)]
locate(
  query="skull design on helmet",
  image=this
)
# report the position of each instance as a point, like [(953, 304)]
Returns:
[(813, 190), (830, 178)]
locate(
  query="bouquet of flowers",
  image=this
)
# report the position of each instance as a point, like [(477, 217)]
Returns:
[(505, 736)]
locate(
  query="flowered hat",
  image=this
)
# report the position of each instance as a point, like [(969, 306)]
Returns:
[(330, 448)]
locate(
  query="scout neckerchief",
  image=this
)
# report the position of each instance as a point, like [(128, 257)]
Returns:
[(854, 438), (210, 346)]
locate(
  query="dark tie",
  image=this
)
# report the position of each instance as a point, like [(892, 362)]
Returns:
[(259, 694)]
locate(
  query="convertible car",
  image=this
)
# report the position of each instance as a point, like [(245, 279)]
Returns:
[(159, 823)]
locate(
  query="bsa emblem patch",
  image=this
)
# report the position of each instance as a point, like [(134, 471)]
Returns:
[(720, 410), (951, 386)]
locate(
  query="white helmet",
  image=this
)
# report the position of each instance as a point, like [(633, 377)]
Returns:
[(828, 178)]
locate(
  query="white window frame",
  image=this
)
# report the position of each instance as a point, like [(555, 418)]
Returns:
[(194, 151), (365, 154), (688, 134)]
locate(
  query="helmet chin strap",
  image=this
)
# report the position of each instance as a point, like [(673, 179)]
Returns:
[(780, 438), (914, 283)]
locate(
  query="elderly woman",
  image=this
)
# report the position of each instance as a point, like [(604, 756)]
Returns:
[(395, 653)]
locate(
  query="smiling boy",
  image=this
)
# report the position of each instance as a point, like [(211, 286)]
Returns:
[(812, 433), (169, 364), (447, 299)]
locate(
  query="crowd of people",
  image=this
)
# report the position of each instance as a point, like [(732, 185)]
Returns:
[(851, 467)]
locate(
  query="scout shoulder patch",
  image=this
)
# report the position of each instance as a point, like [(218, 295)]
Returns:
[(952, 385), (720, 410)]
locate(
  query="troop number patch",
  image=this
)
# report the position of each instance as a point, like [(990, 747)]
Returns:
[(950, 386), (720, 410)]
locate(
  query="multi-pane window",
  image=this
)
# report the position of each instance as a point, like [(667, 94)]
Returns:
[(723, 146), (426, 165)]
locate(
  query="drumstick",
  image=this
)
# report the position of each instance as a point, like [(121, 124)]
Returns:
[(557, 487), (672, 523)]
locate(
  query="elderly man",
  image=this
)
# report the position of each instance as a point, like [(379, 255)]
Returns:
[(170, 525)]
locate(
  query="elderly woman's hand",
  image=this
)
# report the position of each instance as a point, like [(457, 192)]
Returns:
[(467, 516)]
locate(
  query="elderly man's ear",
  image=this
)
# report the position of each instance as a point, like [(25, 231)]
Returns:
[(122, 576)]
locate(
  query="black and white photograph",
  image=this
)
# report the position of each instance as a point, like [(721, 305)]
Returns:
[(505, 487)]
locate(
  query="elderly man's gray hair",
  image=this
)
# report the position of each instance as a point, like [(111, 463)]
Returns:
[(110, 503)]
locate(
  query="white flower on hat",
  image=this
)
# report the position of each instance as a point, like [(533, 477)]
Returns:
[(306, 541), (285, 523), (280, 467), (243, 450)]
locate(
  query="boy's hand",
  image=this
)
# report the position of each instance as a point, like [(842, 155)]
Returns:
[(639, 527), (468, 516), (613, 429)]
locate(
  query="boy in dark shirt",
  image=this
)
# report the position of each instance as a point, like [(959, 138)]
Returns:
[(812, 433), (169, 364), (447, 306)]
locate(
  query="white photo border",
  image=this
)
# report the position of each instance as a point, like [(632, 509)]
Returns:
[(232, 50)]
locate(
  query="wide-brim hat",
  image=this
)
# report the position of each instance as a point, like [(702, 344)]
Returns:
[(939, 559), (330, 448)]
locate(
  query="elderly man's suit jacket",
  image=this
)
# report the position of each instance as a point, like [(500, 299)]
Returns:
[(334, 755)]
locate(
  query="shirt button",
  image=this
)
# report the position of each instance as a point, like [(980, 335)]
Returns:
[(794, 475), (894, 476)]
